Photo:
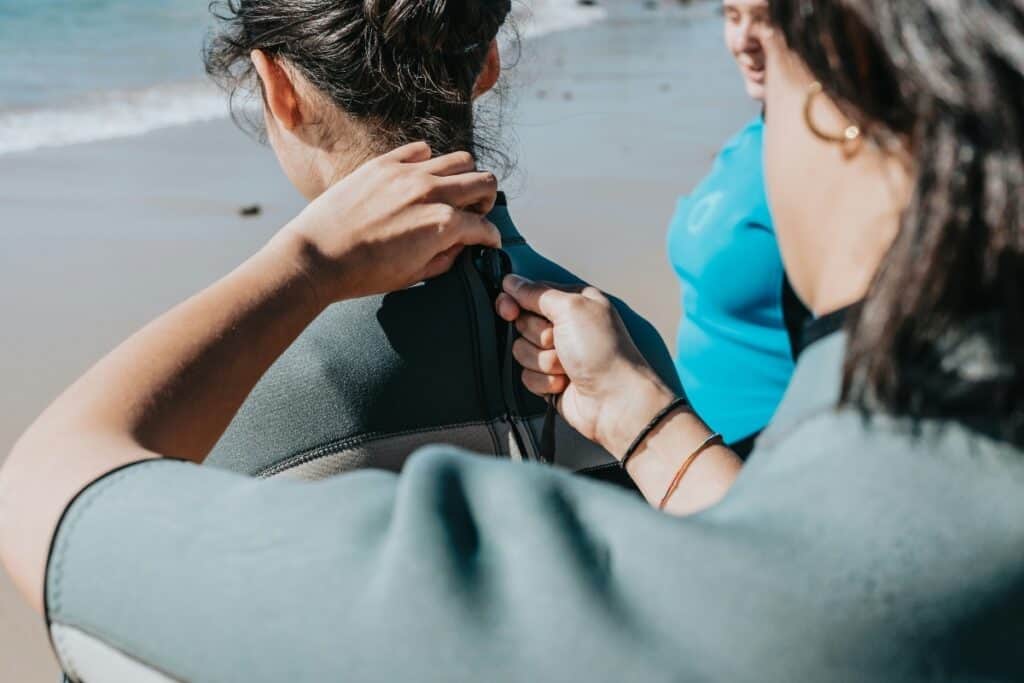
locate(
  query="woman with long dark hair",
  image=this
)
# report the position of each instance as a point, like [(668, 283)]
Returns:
[(875, 534)]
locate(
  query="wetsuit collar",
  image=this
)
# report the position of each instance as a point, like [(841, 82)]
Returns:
[(817, 381), (501, 218), (821, 327)]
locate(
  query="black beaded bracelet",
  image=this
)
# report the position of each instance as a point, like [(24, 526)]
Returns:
[(651, 426)]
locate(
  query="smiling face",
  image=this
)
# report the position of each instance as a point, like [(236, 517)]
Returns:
[(744, 22)]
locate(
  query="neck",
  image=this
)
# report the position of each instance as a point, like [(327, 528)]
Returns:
[(862, 226), (328, 167), (849, 264)]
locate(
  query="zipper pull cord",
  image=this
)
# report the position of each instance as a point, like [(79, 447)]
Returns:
[(547, 434)]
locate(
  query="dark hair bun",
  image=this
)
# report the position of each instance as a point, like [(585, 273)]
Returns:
[(448, 26), (405, 69)]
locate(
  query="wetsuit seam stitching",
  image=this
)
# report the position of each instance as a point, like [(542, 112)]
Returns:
[(334, 447)]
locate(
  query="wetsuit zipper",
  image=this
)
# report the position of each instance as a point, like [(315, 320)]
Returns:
[(493, 265)]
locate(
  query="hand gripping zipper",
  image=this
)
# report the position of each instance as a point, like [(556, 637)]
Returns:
[(493, 265)]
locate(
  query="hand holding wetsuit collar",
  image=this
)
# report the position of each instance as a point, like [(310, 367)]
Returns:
[(172, 388), (575, 344), (397, 220)]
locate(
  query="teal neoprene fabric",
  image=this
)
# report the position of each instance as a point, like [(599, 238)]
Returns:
[(846, 551)]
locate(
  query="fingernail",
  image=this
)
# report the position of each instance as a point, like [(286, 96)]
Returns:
[(513, 283)]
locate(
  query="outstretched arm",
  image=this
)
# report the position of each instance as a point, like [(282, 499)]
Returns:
[(172, 388)]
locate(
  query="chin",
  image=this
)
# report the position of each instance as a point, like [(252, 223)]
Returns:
[(755, 90)]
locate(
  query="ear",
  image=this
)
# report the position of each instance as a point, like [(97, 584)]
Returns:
[(278, 90), (490, 73)]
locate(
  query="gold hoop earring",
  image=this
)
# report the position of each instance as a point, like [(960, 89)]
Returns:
[(849, 134)]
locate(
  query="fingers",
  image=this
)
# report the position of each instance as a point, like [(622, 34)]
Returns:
[(462, 187), (450, 179), (538, 298), (543, 385), (484, 206), (450, 164), (442, 263), (544, 361), (478, 190), (411, 153), (537, 330), (507, 308), (466, 229)]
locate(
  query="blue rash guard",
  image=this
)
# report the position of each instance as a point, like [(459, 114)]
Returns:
[(733, 353)]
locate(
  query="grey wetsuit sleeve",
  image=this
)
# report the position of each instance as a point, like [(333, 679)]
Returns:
[(468, 569)]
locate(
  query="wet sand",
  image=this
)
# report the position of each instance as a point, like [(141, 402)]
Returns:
[(610, 123)]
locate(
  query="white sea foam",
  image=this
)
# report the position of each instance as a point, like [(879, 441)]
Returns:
[(117, 114), (113, 114)]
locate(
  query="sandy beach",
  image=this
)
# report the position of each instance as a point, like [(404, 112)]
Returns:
[(610, 124)]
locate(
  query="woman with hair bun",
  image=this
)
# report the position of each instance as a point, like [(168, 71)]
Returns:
[(374, 378), (874, 534)]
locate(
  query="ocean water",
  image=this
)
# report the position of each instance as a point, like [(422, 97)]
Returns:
[(75, 71)]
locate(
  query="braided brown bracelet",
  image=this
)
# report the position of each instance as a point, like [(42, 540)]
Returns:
[(651, 426)]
